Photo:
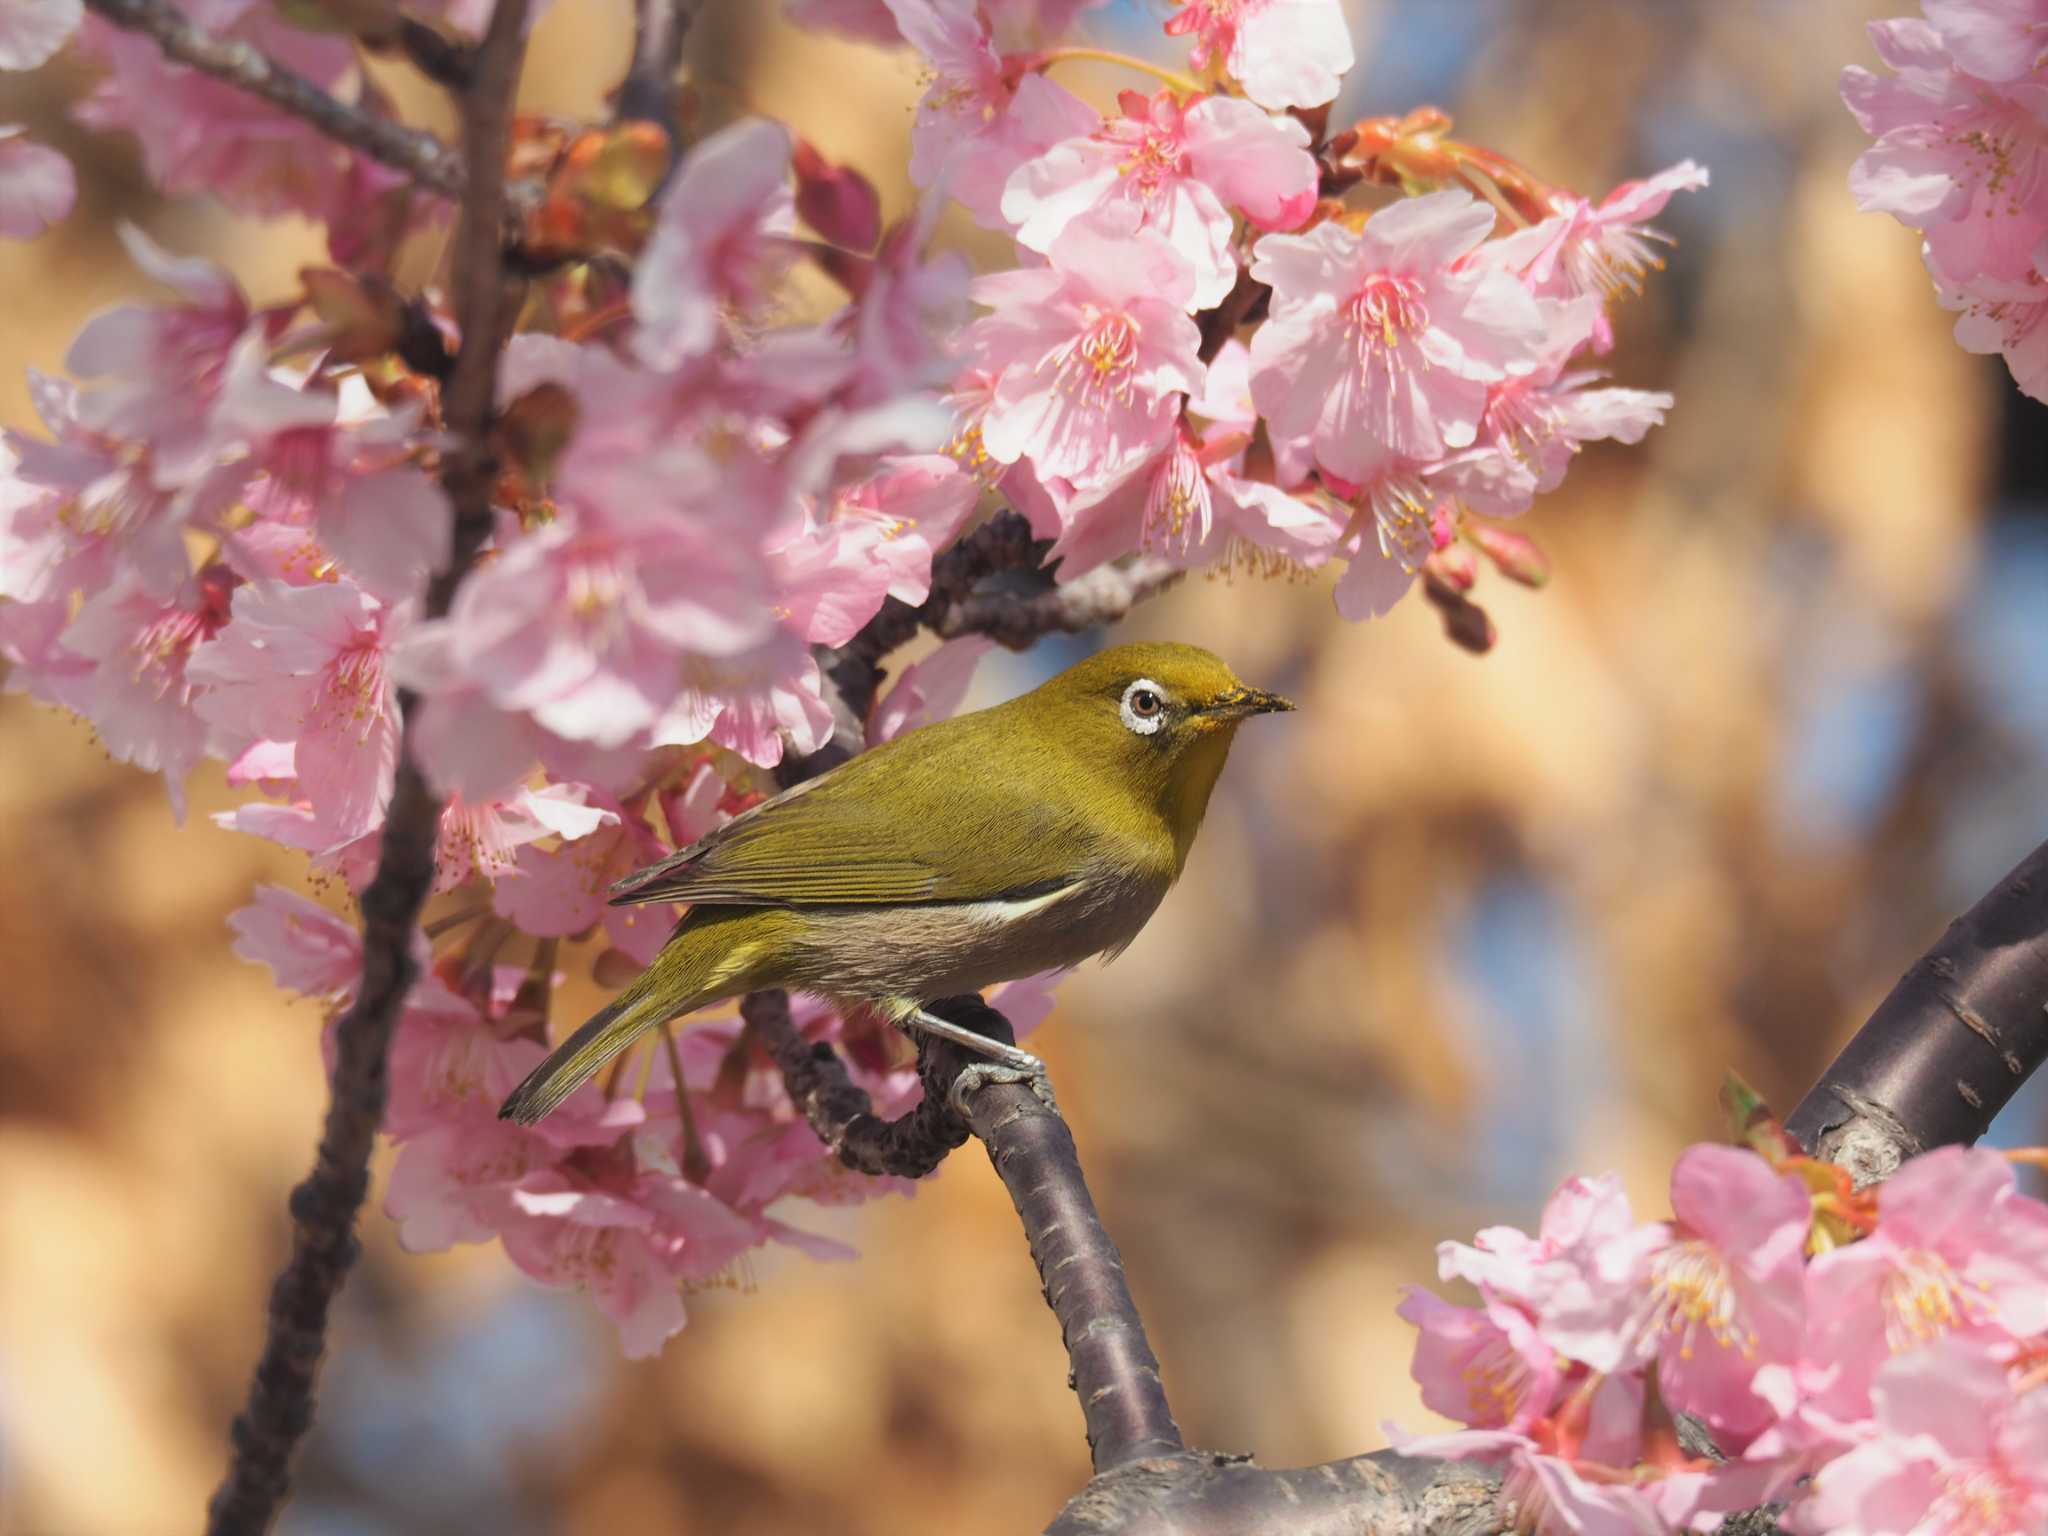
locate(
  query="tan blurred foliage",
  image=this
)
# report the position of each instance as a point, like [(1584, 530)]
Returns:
[(1282, 1089)]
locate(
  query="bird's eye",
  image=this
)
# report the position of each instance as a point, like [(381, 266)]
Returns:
[(1143, 706)]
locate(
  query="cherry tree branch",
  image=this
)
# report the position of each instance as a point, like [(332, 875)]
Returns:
[(1146, 1479), (648, 93), (839, 1109), (1951, 1043), (324, 1206), (429, 162), (965, 599), (1103, 596)]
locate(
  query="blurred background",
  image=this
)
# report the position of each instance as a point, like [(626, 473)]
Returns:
[(1458, 928)]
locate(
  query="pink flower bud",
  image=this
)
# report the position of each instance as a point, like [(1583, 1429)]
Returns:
[(836, 200), (1515, 555), (1454, 566)]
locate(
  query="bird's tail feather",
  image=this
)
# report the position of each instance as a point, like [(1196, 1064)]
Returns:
[(577, 1059), (704, 960)]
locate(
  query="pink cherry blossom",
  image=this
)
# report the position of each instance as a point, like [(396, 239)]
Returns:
[(876, 542), (337, 461), (1958, 1249), (1179, 166), (453, 1183), (1091, 355), (138, 697), (756, 705), (929, 690), (200, 134), (978, 121), (1400, 518), (1580, 1277), (720, 236), (1999, 40), (603, 1244), (1194, 504), (309, 949), (1379, 345), (907, 311), (2007, 318), (446, 1060), (1285, 53), (587, 627), (307, 665), (1727, 1296), (561, 890), (151, 373), (1536, 422), (93, 513), (1955, 157), (1483, 1366), (31, 31), (484, 838), (830, 578), (1600, 250), (37, 186), (1954, 1453)]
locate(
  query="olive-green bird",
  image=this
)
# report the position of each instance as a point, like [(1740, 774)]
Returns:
[(994, 845)]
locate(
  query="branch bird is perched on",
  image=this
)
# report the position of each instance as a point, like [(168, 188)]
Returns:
[(991, 846)]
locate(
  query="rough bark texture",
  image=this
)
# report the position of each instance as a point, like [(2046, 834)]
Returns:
[(840, 1111), (323, 1207), (1951, 1043)]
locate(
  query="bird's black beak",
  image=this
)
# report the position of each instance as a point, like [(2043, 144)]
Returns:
[(1240, 702)]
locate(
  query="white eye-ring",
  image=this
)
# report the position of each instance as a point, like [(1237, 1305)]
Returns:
[(1143, 706)]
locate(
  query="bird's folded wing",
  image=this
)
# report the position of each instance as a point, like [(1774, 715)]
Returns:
[(829, 843)]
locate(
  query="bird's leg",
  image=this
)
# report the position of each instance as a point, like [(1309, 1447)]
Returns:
[(1005, 1064)]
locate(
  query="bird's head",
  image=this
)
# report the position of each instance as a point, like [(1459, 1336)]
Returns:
[(1157, 720)]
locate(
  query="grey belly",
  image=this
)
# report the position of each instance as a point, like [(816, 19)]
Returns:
[(933, 950)]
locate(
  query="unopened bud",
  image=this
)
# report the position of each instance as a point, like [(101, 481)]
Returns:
[(1455, 566), (1516, 555), (836, 200), (1466, 624)]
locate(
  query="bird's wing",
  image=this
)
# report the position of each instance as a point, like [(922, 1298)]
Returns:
[(939, 835)]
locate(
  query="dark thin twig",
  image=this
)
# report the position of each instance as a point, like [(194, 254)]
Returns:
[(441, 59), (960, 604), (1954, 1040), (324, 1205), (433, 164), (648, 93), (840, 1111), (1220, 324)]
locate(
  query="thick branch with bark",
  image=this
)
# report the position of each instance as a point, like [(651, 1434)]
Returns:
[(324, 1206), (1147, 1482), (1954, 1040)]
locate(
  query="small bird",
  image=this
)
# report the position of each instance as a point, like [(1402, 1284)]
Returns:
[(993, 845)]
